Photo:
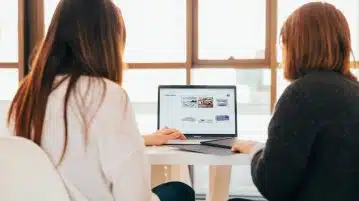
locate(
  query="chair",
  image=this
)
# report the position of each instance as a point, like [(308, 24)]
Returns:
[(27, 174)]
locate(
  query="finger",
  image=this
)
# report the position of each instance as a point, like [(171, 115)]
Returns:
[(168, 131), (236, 148), (175, 135), (182, 137)]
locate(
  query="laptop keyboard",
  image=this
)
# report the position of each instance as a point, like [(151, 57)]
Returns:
[(203, 138)]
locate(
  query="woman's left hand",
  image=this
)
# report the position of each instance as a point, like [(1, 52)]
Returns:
[(162, 136), (243, 146)]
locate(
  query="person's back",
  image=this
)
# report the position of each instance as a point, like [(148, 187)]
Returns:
[(332, 169), (311, 153), (97, 164), (71, 104)]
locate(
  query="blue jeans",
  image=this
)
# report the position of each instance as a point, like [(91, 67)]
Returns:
[(174, 191), (177, 191)]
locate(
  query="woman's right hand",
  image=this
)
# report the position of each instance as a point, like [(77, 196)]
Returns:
[(162, 136)]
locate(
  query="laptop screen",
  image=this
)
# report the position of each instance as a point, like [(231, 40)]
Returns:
[(198, 110)]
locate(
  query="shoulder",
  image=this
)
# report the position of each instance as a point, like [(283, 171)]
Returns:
[(318, 90), (102, 87), (316, 85), (301, 92), (115, 94), (115, 89)]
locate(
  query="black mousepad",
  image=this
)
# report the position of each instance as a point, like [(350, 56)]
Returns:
[(223, 143), (204, 149)]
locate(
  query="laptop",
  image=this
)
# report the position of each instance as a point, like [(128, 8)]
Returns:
[(201, 112)]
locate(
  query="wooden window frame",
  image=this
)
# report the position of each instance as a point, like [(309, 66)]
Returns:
[(235, 63), (192, 60), (8, 65), (31, 33)]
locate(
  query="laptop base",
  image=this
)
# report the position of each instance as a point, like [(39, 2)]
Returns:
[(184, 142), (196, 141)]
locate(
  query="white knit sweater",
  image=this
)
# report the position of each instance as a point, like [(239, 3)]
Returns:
[(111, 165)]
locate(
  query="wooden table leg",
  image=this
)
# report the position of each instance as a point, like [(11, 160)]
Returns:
[(157, 175), (165, 173), (219, 180)]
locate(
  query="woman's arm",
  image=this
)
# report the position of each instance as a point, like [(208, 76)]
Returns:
[(121, 149), (278, 169)]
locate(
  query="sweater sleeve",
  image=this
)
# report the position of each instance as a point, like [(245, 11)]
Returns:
[(277, 170), (121, 149)]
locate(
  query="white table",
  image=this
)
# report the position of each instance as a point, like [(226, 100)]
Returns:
[(168, 165)]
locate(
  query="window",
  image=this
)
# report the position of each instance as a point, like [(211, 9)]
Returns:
[(285, 8), (156, 30), (49, 9), (356, 72), (225, 32), (8, 50), (253, 96), (282, 83), (253, 99), (141, 86), (9, 32), (350, 9), (10, 80)]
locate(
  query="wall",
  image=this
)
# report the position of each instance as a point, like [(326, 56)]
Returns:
[(4, 106)]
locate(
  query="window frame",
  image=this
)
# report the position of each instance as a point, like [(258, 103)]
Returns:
[(192, 60), (31, 33), (8, 65), (5, 64)]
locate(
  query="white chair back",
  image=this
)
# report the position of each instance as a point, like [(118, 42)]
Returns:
[(27, 174)]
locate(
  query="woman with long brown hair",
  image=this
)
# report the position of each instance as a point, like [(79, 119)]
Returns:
[(72, 105), (312, 149)]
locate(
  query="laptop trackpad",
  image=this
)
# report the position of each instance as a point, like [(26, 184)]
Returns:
[(174, 142)]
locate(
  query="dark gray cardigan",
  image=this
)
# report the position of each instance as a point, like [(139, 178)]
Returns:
[(312, 152)]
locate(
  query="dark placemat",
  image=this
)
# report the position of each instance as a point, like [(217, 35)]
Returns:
[(204, 149)]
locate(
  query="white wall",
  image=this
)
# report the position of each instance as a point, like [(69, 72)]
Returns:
[(4, 106)]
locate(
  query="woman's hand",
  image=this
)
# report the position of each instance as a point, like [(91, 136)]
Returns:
[(162, 136), (243, 146)]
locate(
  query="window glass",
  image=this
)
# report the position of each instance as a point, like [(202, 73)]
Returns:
[(253, 96), (10, 81), (350, 9), (224, 31), (253, 101), (142, 85), (9, 31), (156, 30), (285, 8), (50, 7)]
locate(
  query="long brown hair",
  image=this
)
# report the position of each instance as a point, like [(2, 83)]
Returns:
[(316, 36), (85, 37)]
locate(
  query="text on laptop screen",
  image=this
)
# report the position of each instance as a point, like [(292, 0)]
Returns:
[(198, 110)]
